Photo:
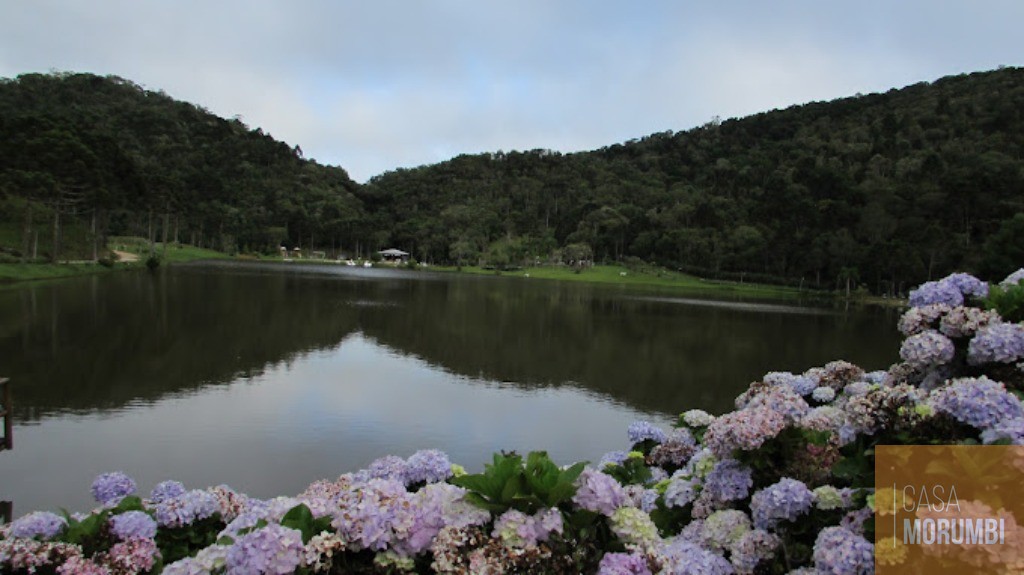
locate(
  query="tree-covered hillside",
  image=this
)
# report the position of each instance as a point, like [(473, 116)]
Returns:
[(104, 154), (886, 190), (882, 191)]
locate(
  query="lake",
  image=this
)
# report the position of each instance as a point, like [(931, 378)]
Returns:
[(267, 377)]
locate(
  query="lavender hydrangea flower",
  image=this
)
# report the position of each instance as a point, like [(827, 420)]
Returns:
[(968, 285), (729, 480), (1011, 430), (785, 500), (612, 458), (643, 430), (997, 343), (427, 465), (186, 508), (272, 550), (922, 318), (387, 467), (683, 557), (966, 321), (676, 450), (838, 551), (166, 490), (979, 402), (598, 492), (520, 530), (681, 490), (133, 525), (373, 514), (753, 547), (1013, 279), (936, 292), (779, 398), (38, 524), (623, 564), (927, 349), (745, 429), (110, 488), (801, 384)]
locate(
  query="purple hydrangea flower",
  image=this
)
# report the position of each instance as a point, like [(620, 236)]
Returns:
[(918, 319), (838, 551), (374, 514), (683, 557), (997, 343), (936, 292), (799, 383), (186, 508), (968, 285), (598, 492), (779, 398), (979, 402), (966, 321), (643, 430), (1013, 279), (785, 500), (744, 429), (110, 488), (272, 550), (1008, 429), (623, 564), (680, 491), (753, 547), (520, 530), (612, 458), (428, 466), (38, 524), (133, 525), (135, 555), (166, 490), (729, 480), (387, 467), (927, 349)]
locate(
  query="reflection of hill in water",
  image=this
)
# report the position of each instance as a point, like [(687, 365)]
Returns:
[(99, 343), (651, 354)]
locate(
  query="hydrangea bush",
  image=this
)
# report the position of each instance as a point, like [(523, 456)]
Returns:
[(782, 484)]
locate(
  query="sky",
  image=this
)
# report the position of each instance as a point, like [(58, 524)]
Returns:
[(375, 85)]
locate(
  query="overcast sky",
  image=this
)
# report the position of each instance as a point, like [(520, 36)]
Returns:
[(372, 85)]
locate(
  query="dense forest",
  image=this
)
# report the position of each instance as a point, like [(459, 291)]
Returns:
[(881, 191)]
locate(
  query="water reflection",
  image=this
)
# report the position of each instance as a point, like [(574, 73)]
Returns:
[(267, 377)]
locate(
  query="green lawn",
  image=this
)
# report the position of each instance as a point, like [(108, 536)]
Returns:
[(619, 275), (23, 272)]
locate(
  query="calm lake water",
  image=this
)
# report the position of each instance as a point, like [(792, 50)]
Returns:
[(268, 377)]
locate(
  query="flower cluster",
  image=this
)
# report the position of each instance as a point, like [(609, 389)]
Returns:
[(272, 550), (38, 524), (110, 488), (133, 525), (783, 501)]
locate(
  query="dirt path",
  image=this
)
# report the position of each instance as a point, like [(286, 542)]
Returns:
[(126, 256)]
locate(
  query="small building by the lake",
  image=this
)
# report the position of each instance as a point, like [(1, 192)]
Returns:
[(394, 255)]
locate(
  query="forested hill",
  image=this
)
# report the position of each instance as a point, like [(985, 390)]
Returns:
[(886, 189), (79, 146)]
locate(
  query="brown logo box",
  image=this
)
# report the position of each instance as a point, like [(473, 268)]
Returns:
[(949, 509)]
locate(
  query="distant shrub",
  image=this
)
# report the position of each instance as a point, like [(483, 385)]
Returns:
[(106, 262), (153, 262)]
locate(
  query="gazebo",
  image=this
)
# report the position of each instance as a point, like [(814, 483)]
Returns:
[(394, 255)]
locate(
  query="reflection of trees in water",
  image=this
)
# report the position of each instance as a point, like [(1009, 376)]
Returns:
[(102, 342), (99, 343), (648, 354)]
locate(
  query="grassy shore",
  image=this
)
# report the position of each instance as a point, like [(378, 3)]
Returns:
[(16, 272), (647, 278)]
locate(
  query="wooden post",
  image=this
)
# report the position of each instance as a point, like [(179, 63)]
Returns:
[(6, 512), (6, 413)]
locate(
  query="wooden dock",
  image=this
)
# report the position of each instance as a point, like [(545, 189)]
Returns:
[(6, 414)]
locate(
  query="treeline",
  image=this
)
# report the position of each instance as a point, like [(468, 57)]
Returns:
[(884, 191), (104, 154), (881, 191)]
